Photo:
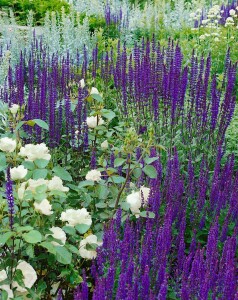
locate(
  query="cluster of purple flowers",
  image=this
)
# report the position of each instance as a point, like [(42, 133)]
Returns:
[(188, 251), (112, 18)]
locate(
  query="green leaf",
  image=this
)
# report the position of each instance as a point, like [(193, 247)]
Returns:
[(91, 247), (19, 125), (125, 206), (50, 248), (150, 171), (149, 160), (40, 173), (30, 251), (41, 163), (85, 183), (73, 249), (69, 230), (3, 161), (62, 173), (137, 172), (32, 237), (41, 123), (146, 214), (118, 179), (23, 228), (63, 256), (29, 165), (82, 228), (101, 191), (108, 114), (97, 97), (4, 295), (5, 237), (101, 205), (119, 161)]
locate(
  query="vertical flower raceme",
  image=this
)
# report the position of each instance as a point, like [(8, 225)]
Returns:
[(10, 199)]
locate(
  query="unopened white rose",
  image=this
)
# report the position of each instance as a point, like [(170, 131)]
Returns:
[(134, 200), (33, 152), (74, 217), (29, 276), (94, 175), (82, 83), (58, 234), (94, 91), (94, 121), (88, 254), (104, 145), (44, 207), (18, 173), (57, 184), (14, 109), (7, 144)]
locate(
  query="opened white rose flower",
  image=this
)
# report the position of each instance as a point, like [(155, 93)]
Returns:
[(104, 145), (94, 91), (33, 184), (44, 207), (21, 190), (57, 184), (232, 12), (7, 144), (14, 109), (134, 200), (94, 175), (82, 83), (74, 217), (144, 194), (58, 234), (33, 152), (89, 254), (18, 173), (5, 287), (92, 121), (29, 276)]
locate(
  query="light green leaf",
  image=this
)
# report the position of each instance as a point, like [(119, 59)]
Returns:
[(32, 237), (118, 179), (82, 228), (62, 173), (137, 172), (149, 160), (146, 214), (50, 248), (41, 163), (108, 114), (101, 205), (63, 255), (23, 228), (41, 123), (85, 183), (150, 171), (40, 173), (119, 162), (97, 97), (19, 125), (101, 191), (5, 237)]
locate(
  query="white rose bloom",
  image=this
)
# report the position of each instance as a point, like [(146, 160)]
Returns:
[(58, 234), (104, 145), (33, 152), (82, 83), (5, 287), (74, 217), (144, 194), (92, 121), (14, 109), (94, 91), (44, 207), (7, 144), (134, 200), (33, 184), (57, 184), (29, 276), (21, 190), (94, 175), (232, 12), (18, 173), (89, 254)]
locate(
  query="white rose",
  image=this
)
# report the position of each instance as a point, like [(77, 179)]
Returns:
[(89, 254), (58, 234), (14, 109), (144, 194), (44, 207), (82, 83), (33, 184), (94, 91), (57, 184), (134, 200), (21, 190), (18, 173), (29, 276), (74, 217), (5, 287), (94, 175), (92, 121), (104, 145), (33, 152), (7, 144), (232, 12)]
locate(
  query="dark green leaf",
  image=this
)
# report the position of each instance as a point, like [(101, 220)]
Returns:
[(63, 255)]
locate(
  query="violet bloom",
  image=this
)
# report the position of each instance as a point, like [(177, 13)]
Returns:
[(10, 199)]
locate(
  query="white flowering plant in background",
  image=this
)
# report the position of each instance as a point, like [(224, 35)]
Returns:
[(40, 234)]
